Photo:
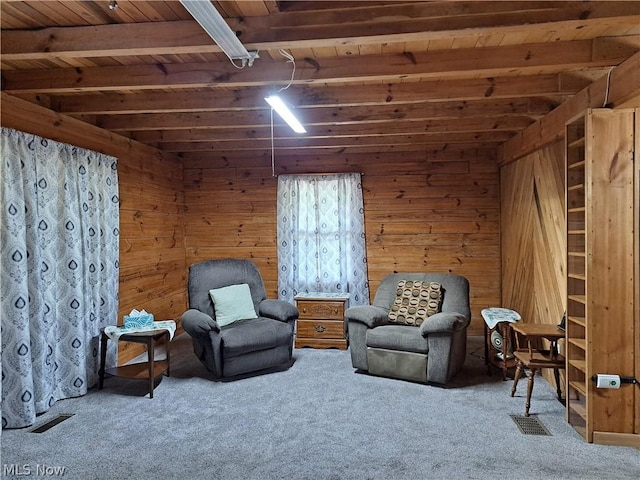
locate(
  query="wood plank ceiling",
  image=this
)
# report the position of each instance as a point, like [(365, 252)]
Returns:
[(369, 76)]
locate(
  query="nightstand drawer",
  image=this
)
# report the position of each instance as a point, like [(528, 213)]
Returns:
[(320, 329), (321, 309), (321, 343)]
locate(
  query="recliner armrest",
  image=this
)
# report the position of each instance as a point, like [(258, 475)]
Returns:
[(443, 322), (370, 315), (198, 324), (278, 310)]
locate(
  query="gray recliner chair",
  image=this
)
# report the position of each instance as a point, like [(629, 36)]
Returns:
[(246, 345), (430, 353)]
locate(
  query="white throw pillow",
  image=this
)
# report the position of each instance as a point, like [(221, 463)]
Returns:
[(232, 303)]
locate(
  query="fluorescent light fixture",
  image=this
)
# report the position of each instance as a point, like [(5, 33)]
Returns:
[(212, 22), (287, 115)]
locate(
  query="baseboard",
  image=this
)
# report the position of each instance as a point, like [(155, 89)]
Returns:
[(618, 439)]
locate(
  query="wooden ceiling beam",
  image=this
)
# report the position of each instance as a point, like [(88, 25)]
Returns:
[(388, 129), (425, 21), (431, 153), (342, 149), (550, 85), (458, 63), (473, 14), (411, 142), (531, 107), (420, 21), (368, 153), (116, 40)]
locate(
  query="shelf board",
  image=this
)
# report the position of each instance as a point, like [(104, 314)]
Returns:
[(578, 342), (578, 408), (577, 143), (140, 370), (579, 364), (577, 254), (579, 164), (576, 232), (580, 387), (577, 186), (578, 298), (576, 210), (579, 320), (577, 276)]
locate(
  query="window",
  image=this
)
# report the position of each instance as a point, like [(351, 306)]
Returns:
[(321, 241)]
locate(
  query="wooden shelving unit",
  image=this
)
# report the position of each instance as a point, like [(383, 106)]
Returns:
[(576, 352), (600, 272)]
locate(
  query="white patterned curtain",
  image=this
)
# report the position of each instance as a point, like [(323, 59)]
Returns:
[(321, 240), (59, 248)]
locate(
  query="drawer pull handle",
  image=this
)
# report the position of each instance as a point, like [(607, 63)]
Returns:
[(319, 328)]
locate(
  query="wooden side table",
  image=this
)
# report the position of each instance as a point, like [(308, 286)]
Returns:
[(534, 356), (321, 321), (148, 370)]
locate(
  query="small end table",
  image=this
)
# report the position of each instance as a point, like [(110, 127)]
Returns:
[(148, 370)]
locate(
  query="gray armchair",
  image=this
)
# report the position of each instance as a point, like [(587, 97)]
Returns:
[(430, 353), (246, 345)]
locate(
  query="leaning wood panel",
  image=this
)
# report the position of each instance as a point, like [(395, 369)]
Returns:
[(533, 246), (550, 238)]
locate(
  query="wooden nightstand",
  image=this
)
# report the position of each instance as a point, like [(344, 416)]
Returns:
[(321, 320)]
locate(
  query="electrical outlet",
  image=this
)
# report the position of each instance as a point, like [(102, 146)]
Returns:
[(607, 381)]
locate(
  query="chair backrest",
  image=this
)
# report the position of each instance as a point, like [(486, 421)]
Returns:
[(204, 276), (456, 290)]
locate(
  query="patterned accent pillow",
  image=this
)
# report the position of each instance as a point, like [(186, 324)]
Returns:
[(415, 302)]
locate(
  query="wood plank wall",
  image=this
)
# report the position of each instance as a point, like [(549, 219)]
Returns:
[(435, 210), (533, 236), (152, 261)]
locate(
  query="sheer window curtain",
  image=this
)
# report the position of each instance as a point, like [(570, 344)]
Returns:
[(321, 239), (59, 268)]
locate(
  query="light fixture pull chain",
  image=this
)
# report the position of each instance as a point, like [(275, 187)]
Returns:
[(273, 161)]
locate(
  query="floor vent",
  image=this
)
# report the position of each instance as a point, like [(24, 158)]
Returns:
[(52, 423), (530, 425)]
